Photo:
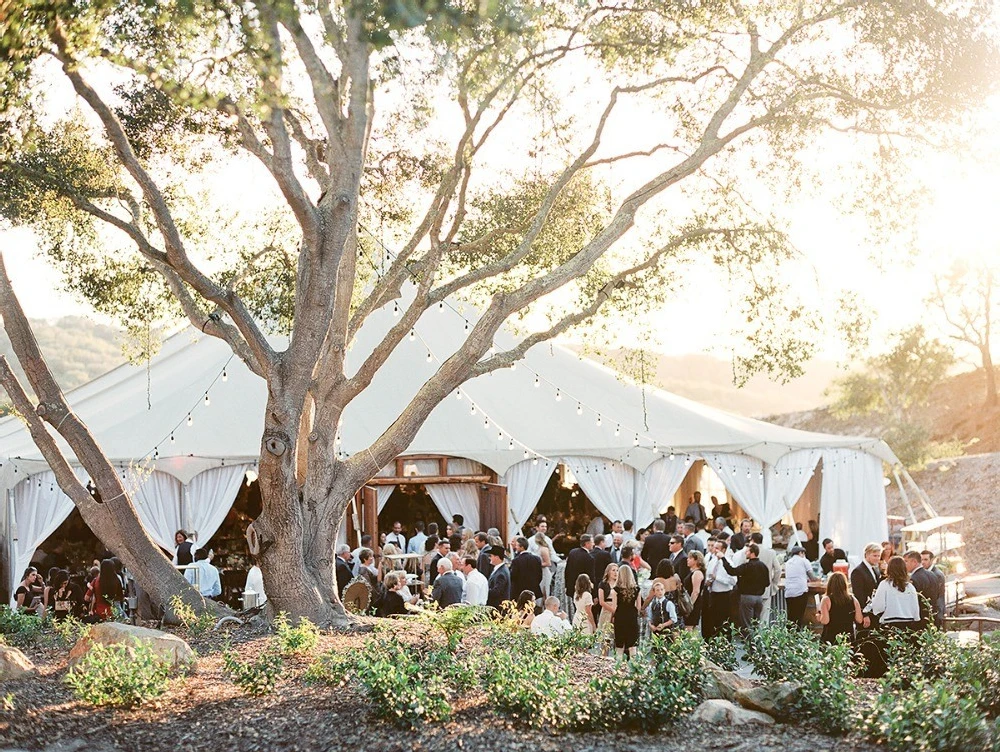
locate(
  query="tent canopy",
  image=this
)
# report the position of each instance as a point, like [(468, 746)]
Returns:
[(553, 404)]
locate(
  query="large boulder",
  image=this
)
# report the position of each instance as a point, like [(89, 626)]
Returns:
[(14, 664), (719, 684), (723, 712), (778, 700), (170, 648)]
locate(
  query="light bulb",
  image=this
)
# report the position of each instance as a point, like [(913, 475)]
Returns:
[(525, 454), (618, 430), (473, 410), (429, 357), (511, 444), (534, 461), (486, 423), (513, 366), (225, 376), (558, 395), (656, 449), (499, 435), (172, 437), (441, 307), (207, 400), (598, 419), (458, 394), (671, 456), (537, 382), (579, 409), (190, 420), (413, 335), (395, 309), (635, 442), (466, 326)]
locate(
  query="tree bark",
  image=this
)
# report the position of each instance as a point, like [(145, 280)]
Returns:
[(991, 376)]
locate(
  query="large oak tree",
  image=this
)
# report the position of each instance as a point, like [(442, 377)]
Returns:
[(485, 143)]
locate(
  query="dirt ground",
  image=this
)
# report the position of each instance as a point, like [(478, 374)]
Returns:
[(205, 711)]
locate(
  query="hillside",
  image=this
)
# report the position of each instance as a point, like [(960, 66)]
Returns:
[(76, 349), (709, 380), (954, 412)]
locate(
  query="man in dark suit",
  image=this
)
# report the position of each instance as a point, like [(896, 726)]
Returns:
[(448, 585), (832, 554), (657, 545), (483, 559), (678, 557), (927, 561), (865, 578), (499, 582), (580, 561), (926, 585), (602, 557), (344, 571), (443, 549), (742, 538), (525, 570)]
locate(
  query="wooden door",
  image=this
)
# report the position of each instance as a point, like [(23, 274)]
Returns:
[(493, 508), (369, 513)]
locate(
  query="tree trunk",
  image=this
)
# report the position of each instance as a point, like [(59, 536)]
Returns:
[(991, 376)]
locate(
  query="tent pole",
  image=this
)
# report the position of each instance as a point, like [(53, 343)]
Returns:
[(902, 493), (920, 494), (11, 547)]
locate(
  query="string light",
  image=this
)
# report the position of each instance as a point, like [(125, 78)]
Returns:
[(429, 356), (395, 309), (537, 382), (458, 394), (636, 441), (413, 335), (207, 400), (190, 420), (558, 395), (473, 410), (441, 307), (172, 439), (671, 456), (598, 420), (579, 409), (225, 376), (618, 429), (486, 424)]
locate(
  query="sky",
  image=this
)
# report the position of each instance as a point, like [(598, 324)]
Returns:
[(958, 219)]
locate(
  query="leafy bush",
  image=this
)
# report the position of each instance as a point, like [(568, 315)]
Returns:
[(930, 717), (70, 630), (119, 675), (522, 641), (781, 652), (195, 624), (721, 649), (454, 621), (20, 628), (405, 684), (292, 640), (257, 676)]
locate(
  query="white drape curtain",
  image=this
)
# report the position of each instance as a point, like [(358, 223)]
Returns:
[(157, 499), (657, 487), (40, 507), (382, 493), (458, 498), (852, 501), (785, 481), (743, 476), (525, 482), (609, 485), (209, 497)]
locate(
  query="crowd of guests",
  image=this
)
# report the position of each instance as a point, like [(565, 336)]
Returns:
[(97, 595), (697, 573)]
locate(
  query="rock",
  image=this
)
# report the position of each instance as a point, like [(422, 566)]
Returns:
[(725, 713), (774, 699), (14, 664), (719, 684), (169, 647)]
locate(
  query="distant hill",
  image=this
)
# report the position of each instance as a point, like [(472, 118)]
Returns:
[(955, 412), (75, 348), (709, 380)]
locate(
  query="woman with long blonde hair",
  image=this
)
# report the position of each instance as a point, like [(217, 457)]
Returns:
[(583, 599), (605, 599), (546, 556), (628, 601)]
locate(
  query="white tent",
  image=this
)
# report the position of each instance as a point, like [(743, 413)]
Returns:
[(194, 416)]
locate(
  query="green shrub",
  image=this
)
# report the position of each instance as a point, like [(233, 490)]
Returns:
[(195, 624), (454, 622), (118, 675), (522, 641), (257, 676), (294, 640), (781, 652), (70, 630), (20, 628), (405, 684), (927, 717), (721, 649)]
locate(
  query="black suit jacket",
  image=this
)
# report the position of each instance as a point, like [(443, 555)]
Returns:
[(578, 561), (344, 575), (680, 562), (499, 587), (737, 542), (863, 584), (655, 548), (602, 557), (927, 589), (483, 563), (526, 574), (434, 567)]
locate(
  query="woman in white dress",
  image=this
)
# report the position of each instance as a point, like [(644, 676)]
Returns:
[(583, 599), (546, 556)]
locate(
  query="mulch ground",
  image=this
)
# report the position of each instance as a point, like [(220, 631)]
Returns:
[(206, 711)]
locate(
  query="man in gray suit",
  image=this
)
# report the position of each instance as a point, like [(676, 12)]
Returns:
[(448, 585), (691, 541)]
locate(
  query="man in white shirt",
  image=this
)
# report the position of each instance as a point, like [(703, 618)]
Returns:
[(477, 587), (551, 622), (721, 526), (416, 544), (541, 526), (209, 583), (396, 537), (798, 573), (721, 584)]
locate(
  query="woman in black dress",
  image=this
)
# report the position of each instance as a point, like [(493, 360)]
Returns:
[(627, 602), (392, 602), (693, 584), (839, 611)]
